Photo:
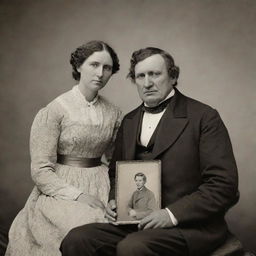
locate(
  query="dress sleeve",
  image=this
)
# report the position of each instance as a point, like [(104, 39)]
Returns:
[(110, 149), (44, 137)]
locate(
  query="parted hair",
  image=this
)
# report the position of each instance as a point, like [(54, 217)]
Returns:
[(84, 51), (140, 174), (144, 53)]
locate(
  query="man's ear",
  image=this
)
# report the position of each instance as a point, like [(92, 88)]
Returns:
[(173, 80)]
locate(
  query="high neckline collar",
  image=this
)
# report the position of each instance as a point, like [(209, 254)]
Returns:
[(89, 103), (142, 189)]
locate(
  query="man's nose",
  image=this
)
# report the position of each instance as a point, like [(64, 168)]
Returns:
[(148, 82)]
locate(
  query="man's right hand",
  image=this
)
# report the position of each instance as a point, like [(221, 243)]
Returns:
[(110, 211), (132, 213)]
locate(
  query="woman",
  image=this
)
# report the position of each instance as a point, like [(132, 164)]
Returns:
[(68, 138)]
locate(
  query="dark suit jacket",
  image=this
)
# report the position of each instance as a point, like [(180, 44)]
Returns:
[(143, 201), (199, 173)]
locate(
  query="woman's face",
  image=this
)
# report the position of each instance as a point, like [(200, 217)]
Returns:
[(96, 71)]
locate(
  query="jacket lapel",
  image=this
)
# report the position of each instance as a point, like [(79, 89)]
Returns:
[(130, 133), (172, 124)]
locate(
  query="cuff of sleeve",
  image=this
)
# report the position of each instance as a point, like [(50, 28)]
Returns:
[(172, 217), (72, 194), (76, 196)]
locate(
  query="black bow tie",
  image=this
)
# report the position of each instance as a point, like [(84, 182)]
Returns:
[(157, 109)]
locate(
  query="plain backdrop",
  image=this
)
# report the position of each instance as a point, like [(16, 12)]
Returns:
[(212, 41)]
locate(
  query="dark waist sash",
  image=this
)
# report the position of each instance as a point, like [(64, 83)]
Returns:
[(78, 161)]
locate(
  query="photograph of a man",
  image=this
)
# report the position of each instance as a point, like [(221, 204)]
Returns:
[(143, 200)]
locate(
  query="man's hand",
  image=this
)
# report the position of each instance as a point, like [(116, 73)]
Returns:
[(132, 213), (110, 211), (91, 201), (156, 219)]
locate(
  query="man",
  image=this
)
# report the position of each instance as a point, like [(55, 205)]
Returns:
[(142, 201), (199, 173)]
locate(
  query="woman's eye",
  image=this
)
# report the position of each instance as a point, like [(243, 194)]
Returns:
[(95, 65), (108, 68)]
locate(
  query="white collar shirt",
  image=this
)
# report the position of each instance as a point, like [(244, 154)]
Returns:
[(150, 122)]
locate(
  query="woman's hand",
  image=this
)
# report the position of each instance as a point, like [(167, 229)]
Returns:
[(91, 201), (111, 211)]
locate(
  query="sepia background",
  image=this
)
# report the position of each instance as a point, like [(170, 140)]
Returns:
[(213, 42)]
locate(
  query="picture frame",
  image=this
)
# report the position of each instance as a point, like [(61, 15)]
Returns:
[(135, 191)]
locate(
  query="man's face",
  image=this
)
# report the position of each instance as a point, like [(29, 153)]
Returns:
[(139, 182), (152, 80)]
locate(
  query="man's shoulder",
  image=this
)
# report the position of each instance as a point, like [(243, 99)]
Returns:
[(196, 107), (132, 113), (193, 102), (148, 191)]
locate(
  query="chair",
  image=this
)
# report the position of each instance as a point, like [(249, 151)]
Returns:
[(231, 247), (3, 240)]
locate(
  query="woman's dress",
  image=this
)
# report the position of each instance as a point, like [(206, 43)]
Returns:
[(69, 125)]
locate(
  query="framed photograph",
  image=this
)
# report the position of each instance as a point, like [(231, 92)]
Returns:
[(138, 189)]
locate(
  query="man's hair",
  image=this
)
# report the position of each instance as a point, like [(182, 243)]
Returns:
[(140, 174), (142, 54)]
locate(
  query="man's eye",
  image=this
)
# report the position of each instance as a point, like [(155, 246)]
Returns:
[(154, 74), (139, 76)]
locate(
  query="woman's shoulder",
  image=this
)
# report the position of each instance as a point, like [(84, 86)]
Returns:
[(110, 106), (54, 109), (63, 98), (63, 102)]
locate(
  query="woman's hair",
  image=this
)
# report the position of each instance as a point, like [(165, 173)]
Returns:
[(84, 51), (142, 54)]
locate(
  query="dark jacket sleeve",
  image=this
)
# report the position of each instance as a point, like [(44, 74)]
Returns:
[(219, 187), (130, 203), (117, 156), (150, 207)]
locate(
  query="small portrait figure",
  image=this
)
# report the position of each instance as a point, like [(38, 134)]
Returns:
[(142, 201)]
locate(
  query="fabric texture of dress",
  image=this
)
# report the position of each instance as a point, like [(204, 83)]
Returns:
[(69, 125)]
